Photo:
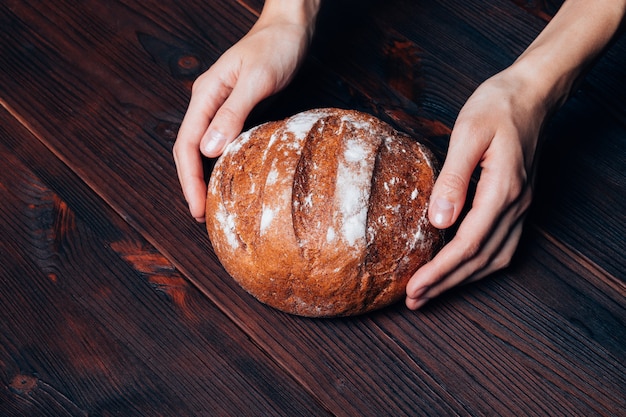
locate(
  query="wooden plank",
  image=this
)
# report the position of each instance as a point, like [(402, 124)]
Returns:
[(95, 321), (366, 365), (440, 88), (581, 182), (440, 61), (549, 332)]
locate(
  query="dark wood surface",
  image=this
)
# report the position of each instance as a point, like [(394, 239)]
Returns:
[(112, 302)]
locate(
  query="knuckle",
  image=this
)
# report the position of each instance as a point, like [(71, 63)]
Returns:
[(519, 185), (526, 199), (176, 149), (227, 114), (502, 261), (520, 195), (481, 262), (514, 188), (198, 84), (452, 182), (469, 248), (179, 148), (467, 126)]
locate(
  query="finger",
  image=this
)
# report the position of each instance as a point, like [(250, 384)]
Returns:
[(190, 175), (504, 256), (496, 262), (229, 119), (207, 96), (493, 210), (209, 92), (450, 189), (489, 207), (473, 253)]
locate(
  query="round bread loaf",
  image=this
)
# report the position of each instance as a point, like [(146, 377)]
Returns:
[(323, 213)]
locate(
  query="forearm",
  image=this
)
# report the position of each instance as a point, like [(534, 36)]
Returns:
[(564, 50), (299, 12)]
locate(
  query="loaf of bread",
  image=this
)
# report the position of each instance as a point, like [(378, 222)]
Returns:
[(324, 213)]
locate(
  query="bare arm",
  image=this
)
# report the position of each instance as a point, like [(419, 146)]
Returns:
[(259, 65), (498, 129)]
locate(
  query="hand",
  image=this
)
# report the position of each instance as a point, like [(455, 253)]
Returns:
[(260, 64), (498, 129)]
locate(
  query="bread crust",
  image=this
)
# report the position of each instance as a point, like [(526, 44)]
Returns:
[(324, 213)]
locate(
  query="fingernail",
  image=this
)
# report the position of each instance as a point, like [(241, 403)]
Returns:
[(420, 303), (417, 302), (419, 293), (443, 212), (214, 142)]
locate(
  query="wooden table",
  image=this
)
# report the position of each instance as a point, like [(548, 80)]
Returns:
[(112, 302)]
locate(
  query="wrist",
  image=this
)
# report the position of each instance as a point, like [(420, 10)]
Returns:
[(562, 53), (542, 81), (295, 12)]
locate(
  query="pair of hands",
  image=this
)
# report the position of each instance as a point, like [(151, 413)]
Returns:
[(497, 129)]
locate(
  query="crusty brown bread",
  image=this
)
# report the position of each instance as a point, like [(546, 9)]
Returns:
[(323, 213)]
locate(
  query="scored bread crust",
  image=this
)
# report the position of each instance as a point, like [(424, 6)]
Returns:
[(324, 213)]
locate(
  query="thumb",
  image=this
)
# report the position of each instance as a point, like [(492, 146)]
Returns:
[(450, 190), (447, 199), (222, 130), (231, 116)]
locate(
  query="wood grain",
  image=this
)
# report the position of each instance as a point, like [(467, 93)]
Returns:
[(93, 206), (125, 332)]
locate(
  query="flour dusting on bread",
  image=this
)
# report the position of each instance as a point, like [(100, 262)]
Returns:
[(323, 213)]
